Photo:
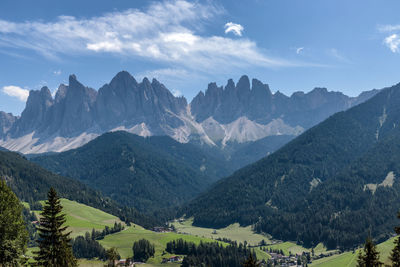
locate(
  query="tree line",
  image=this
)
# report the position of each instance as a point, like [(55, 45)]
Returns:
[(57, 249), (211, 254)]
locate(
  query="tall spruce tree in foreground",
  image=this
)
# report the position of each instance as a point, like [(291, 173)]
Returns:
[(54, 243), (370, 256), (13, 234), (395, 254)]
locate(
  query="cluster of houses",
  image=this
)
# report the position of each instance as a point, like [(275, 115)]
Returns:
[(172, 259), (278, 259), (126, 263), (162, 229)]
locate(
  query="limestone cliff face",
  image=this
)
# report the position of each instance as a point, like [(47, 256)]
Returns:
[(236, 113)]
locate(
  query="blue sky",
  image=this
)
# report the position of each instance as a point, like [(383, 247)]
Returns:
[(292, 45)]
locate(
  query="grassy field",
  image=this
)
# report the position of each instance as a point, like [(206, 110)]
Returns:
[(123, 241), (349, 259), (82, 218), (289, 247), (233, 232)]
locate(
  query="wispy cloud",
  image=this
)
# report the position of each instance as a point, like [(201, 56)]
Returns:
[(393, 42), (389, 28), (57, 72), (333, 52), (16, 91), (234, 28), (299, 50), (165, 32), (176, 92)]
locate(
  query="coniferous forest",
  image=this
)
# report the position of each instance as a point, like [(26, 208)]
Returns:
[(211, 133)]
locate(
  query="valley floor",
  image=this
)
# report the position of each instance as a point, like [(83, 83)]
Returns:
[(82, 218)]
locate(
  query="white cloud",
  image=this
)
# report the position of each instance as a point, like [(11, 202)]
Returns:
[(393, 42), (338, 55), (166, 32), (234, 27), (16, 91), (57, 72), (388, 28), (176, 93), (299, 50)]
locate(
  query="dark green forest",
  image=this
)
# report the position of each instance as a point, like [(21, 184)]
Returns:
[(139, 171), (313, 189), (31, 183), (210, 254)]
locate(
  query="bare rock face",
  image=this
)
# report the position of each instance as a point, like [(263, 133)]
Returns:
[(258, 104), (6, 122), (78, 105), (124, 101), (36, 113), (236, 113)]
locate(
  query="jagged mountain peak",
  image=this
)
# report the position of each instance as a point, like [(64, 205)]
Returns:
[(72, 79), (78, 113), (243, 83), (146, 82), (123, 78), (322, 90)]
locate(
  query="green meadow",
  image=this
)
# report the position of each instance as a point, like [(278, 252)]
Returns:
[(123, 241), (234, 232), (349, 259), (82, 218)]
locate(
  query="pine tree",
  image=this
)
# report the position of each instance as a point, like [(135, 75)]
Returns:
[(112, 256), (13, 234), (54, 243), (395, 254), (143, 250), (370, 257), (251, 261)]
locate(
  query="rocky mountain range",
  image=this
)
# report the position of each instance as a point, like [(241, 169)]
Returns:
[(221, 116)]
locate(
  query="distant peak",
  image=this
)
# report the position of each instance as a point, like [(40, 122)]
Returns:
[(146, 82), (244, 83), (230, 83), (155, 82), (212, 85), (72, 77), (123, 76), (45, 91), (319, 90), (123, 73)]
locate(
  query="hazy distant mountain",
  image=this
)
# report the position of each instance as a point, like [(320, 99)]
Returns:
[(219, 117), (336, 183), (6, 122)]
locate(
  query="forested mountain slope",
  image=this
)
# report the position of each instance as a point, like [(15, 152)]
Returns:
[(31, 182), (148, 173), (276, 191)]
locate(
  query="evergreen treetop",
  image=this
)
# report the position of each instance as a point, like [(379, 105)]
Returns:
[(54, 243), (370, 256), (13, 234)]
